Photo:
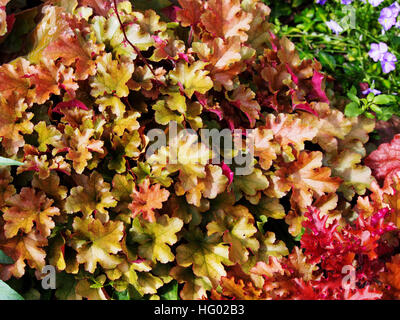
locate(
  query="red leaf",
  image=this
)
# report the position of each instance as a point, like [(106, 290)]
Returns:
[(70, 104), (385, 161), (318, 92)]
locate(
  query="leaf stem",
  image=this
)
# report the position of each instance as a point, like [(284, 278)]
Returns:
[(130, 43)]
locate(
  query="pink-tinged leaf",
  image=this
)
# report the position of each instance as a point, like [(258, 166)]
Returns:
[(100, 7), (202, 98), (226, 170), (305, 107), (294, 77), (385, 161), (273, 38), (70, 104), (318, 92), (159, 41), (183, 56), (218, 112)]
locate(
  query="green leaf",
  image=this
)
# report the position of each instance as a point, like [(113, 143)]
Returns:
[(327, 60), (375, 108), (7, 293), (169, 291), (260, 224), (353, 110), (298, 238), (353, 98), (384, 99), (5, 259), (370, 97), (9, 162), (124, 295)]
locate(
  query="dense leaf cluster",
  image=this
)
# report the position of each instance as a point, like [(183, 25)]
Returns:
[(76, 107)]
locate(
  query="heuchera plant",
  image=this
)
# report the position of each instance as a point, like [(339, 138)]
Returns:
[(76, 104)]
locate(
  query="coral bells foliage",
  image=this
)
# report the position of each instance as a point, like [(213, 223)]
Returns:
[(78, 107)]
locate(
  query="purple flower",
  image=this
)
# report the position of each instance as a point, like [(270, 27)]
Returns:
[(395, 7), (375, 3), (346, 2), (334, 26), (388, 62), (378, 51), (373, 90), (321, 2), (388, 17)]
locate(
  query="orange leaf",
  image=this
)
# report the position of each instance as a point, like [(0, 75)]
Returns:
[(27, 208), (23, 249), (225, 18), (146, 199)]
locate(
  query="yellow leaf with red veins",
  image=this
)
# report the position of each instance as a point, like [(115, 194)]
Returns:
[(225, 18), (193, 78), (111, 77), (154, 237), (91, 195), (146, 199), (52, 26), (27, 209), (97, 242), (236, 225), (184, 154), (47, 135), (206, 254)]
